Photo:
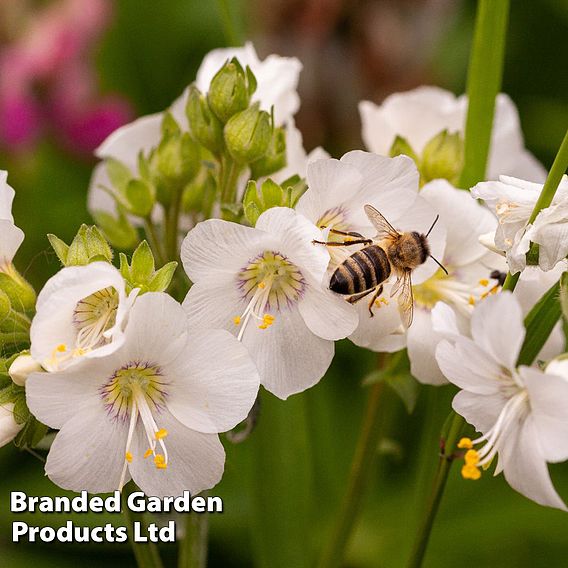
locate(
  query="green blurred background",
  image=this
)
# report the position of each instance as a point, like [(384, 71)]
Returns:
[(282, 486)]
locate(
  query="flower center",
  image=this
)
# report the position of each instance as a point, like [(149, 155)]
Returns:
[(511, 414), (138, 390), (269, 283), (442, 287), (334, 218)]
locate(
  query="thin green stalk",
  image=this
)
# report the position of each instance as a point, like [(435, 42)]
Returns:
[(172, 225), (559, 167), (440, 479), (146, 553), (232, 35), (229, 179), (361, 466), (153, 240), (193, 547), (483, 85)]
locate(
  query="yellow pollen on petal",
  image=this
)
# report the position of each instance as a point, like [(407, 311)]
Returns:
[(161, 433), (61, 348), (262, 285), (128, 457), (484, 282), (269, 319), (148, 453), (263, 326), (237, 320), (470, 472), (465, 443), (160, 461), (471, 301)]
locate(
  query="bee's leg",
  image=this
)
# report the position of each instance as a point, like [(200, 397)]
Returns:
[(378, 291), (356, 297), (346, 233), (345, 243)]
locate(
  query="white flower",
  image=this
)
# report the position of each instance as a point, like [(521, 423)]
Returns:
[(9, 428), (12, 236), (513, 201), (81, 312), (22, 367), (521, 413), (265, 285), (454, 242), (151, 410), (422, 113)]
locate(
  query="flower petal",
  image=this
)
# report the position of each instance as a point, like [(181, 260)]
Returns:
[(481, 411), (195, 460), (219, 249), (525, 468), (216, 382), (327, 314), (548, 395), (12, 238), (497, 327), (88, 452), (7, 194)]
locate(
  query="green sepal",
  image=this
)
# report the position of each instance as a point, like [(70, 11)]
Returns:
[(61, 248), (205, 127), (119, 231), (442, 158), (247, 134), (398, 376), (89, 243), (401, 146), (140, 272), (20, 292), (230, 90), (118, 173), (141, 197), (275, 157)]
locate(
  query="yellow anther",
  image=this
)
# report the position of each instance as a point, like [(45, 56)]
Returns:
[(484, 282), (471, 301), (148, 453), (465, 444), (237, 320), (470, 472), (61, 348), (471, 457), (384, 301), (128, 457), (262, 285), (263, 326), (160, 461), (268, 319), (161, 433)]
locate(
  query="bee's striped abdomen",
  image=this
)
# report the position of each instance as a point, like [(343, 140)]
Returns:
[(362, 271)]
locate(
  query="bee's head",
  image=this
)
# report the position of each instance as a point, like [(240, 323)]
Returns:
[(422, 245), (426, 247)]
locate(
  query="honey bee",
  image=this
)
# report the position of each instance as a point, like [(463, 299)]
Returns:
[(390, 252)]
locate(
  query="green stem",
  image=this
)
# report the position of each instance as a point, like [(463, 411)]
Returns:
[(483, 85), (153, 240), (440, 479), (193, 547), (229, 178), (146, 553), (232, 35), (559, 167), (361, 466), (172, 225)]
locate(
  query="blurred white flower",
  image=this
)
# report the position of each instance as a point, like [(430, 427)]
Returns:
[(81, 312), (12, 236), (9, 428), (513, 200), (265, 285), (421, 114), (521, 413), (151, 410)]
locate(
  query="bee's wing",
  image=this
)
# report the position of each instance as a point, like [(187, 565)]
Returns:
[(384, 228), (405, 299)]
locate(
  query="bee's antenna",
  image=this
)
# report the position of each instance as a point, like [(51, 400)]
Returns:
[(437, 261), (430, 229)]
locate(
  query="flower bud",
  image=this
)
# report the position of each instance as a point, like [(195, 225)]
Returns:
[(401, 146), (22, 367), (205, 127), (230, 90), (89, 245), (17, 289), (248, 134), (9, 428), (256, 202), (119, 231), (274, 159), (442, 158), (199, 196)]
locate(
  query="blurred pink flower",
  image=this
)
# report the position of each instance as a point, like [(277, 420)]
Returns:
[(47, 80)]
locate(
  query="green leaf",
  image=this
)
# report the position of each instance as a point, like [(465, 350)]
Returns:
[(61, 249), (140, 197), (142, 265), (539, 323), (118, 231), (118, 173)]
